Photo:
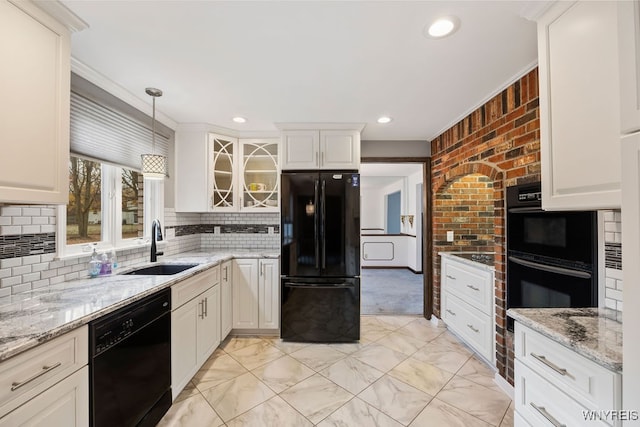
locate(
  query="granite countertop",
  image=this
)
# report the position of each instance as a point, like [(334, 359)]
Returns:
[(592, 332), (31, 318), (484, 260)]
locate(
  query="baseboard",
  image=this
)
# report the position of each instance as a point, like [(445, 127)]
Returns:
[(504, 385), (435, 321), (391, 267)]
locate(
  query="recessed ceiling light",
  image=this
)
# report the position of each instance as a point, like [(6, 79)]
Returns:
[(239, 119), (384, 119), (442, 27)]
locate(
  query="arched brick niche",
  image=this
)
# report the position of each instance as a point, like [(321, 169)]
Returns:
[(498, 144)]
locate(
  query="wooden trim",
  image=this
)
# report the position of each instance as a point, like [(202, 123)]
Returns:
[(427, 240)]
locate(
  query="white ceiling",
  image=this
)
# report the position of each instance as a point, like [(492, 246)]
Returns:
[(308, 61)]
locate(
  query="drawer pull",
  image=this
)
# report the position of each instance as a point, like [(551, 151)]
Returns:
[(473, 287), (45, 369), (201, 304), (553, 366), (547, 415), (450, 277), (451, 312), (472, 328)]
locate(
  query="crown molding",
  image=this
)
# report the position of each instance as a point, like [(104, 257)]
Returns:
[(62, 14), (533, 10), (321, 126), (207, 127), (119, 92)]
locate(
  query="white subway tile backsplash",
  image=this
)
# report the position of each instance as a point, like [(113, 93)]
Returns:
[(31, 229), (40, 283), (30, 277), (31, 259), (10, 262), (18, 271), (8, 230), (10, 211), (21, 220), (10, 281), (21, 288)]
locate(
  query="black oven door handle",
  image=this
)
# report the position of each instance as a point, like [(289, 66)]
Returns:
[(525, 210), (319, 286), (551, 268)]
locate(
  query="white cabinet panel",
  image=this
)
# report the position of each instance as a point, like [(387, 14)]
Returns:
[(579, 106), (269, 303), (629, 54), (195, 325), (300, 149), (245, 293), (467, 304), (321, 149), (339, 149), (256, 294), (65, 404), (35, 87), (226, 299)]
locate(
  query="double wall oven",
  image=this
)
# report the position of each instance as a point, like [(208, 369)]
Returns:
[(551, 256)]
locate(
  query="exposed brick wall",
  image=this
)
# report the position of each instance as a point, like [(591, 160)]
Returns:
[(499, 145)]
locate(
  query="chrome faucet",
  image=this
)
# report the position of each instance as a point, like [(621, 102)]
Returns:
[(156, 235)]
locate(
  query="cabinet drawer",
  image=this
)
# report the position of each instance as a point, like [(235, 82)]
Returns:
[(192, 287), (542, 404), (593, 385), (28, 374), (474, 286), (472, 325)]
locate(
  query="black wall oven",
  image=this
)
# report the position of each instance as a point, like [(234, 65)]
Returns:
[(551, 256)]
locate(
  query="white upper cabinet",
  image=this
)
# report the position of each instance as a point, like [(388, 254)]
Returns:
[(34, 106), (579, 106), (629, 42), (321, 149), (217, 173)]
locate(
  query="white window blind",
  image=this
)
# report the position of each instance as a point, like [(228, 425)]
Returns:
[(103, 134)]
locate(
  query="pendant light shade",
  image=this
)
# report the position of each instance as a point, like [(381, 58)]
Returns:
[(154, 166)]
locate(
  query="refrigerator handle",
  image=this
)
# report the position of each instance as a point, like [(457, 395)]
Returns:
[(315, 223), (322, 234)]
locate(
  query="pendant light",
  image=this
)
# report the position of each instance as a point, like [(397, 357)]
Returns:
[(154, 166)]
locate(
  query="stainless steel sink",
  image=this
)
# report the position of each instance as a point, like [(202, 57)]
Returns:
[(161, 270)]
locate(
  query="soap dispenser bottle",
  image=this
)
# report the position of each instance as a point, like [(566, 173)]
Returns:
[(94, 265)]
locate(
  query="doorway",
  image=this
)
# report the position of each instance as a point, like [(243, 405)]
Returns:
[(395, 274)]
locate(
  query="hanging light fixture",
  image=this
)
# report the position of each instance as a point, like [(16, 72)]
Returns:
[(154, 166)]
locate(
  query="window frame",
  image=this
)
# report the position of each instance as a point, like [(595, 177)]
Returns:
[(111, 230)]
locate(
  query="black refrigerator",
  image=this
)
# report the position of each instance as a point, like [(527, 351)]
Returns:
[(320, 258)]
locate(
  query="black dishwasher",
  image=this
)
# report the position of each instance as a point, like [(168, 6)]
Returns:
[(130, 363)]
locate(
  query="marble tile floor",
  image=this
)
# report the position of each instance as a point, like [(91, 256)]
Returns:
[(403, 372)]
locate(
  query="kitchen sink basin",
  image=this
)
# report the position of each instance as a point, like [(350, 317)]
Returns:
[(161, 270)]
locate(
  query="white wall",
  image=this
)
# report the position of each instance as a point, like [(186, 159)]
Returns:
[(371, 208)]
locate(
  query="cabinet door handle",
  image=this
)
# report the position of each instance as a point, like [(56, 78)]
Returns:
[(553, 366), (451, 312), (206, 306), (322, 158), (45, 369), (201, 304), (473, 287), (226, 273), (472, 328), (543, 411), (317, 164), (450, 277)]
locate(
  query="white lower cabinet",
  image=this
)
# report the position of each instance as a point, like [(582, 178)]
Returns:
[(256, 294), (556, 386), (47, 385), (66, 404), (226, 299), (467, 304), (195, 325)]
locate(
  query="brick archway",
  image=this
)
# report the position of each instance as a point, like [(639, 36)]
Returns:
[(464, 183)]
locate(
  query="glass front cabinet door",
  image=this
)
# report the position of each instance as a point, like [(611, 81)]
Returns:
[(260, 175), (223, 173)]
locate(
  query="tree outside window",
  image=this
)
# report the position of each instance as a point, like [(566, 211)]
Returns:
[(84, 211)]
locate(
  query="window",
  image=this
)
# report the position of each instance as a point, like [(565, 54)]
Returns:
[(110, 203)]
